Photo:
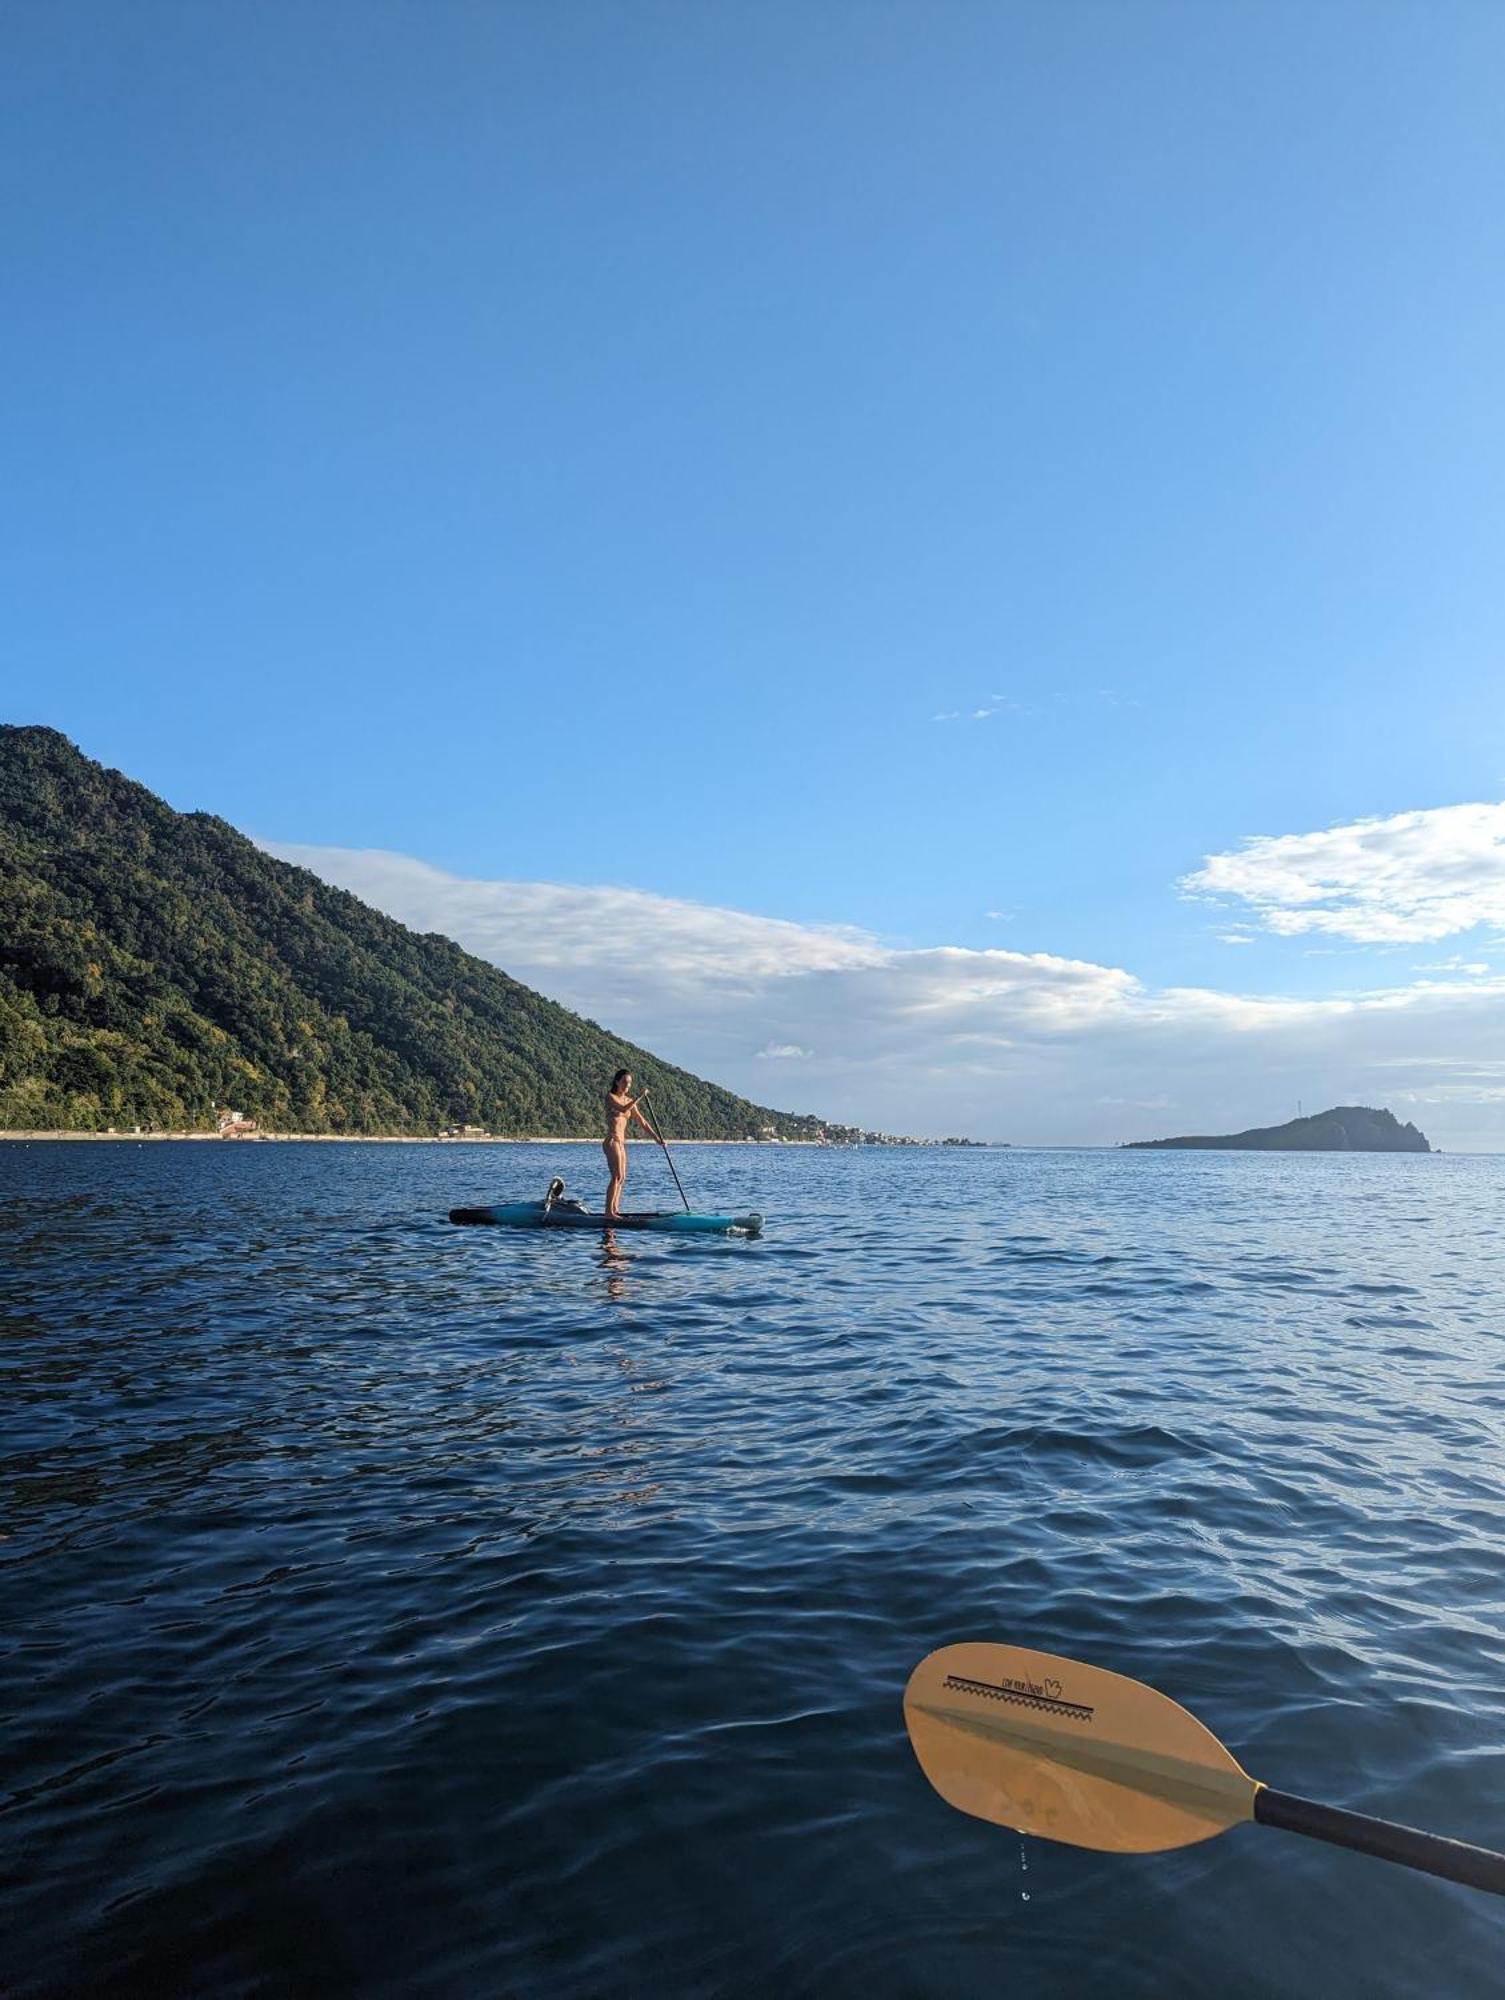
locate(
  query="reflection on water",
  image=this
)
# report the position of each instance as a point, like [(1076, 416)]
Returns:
[(616, 1262), (417, 1610)]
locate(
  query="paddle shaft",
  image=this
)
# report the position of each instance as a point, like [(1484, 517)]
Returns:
[(1454, 1860), (653, 1123)]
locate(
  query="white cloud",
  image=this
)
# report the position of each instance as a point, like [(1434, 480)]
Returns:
[(994, 1043), (1412, 878), (559, 928), (996, 704)]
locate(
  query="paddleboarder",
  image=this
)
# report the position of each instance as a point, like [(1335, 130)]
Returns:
[(621, 1106)]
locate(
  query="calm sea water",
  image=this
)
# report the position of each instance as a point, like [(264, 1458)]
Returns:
[(411, 1610)]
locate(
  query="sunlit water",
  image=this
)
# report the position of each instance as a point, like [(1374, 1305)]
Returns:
[(414, 1610)]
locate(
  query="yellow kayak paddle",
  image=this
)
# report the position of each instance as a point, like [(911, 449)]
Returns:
[(1074, 1753)]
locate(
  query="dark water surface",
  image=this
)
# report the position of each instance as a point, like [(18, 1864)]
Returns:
[(413, 1610)]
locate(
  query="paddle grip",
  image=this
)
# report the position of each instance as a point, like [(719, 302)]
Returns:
[(1454, 1860)]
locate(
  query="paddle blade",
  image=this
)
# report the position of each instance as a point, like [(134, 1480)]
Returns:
[(1070, 1752)]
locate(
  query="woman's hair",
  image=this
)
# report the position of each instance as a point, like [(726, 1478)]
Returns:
[(620, 1078)]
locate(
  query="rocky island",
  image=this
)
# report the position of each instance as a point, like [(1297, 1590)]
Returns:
[(1347, 1128)]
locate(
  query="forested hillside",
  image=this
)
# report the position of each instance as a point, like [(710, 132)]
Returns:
[(155, 965)]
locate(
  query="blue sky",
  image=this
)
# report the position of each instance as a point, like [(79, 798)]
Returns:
[(590, 445)]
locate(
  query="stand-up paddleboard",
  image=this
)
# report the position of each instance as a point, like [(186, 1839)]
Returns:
[(571, 1215)]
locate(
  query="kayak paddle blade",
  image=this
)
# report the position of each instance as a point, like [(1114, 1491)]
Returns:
[(1070, 1752)]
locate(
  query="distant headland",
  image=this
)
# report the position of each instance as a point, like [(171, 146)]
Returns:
[(163, 978), (1347, 1128), (160, 974)]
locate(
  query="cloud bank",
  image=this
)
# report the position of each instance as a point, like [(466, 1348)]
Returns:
[(991, 1043), (1410, 879)]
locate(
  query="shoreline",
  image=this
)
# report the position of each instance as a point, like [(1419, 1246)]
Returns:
[(369, 1139)]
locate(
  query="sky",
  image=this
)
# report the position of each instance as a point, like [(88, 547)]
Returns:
[(939, 563)]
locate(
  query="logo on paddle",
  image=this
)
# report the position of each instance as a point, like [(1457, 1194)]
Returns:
[(1044, 1696)]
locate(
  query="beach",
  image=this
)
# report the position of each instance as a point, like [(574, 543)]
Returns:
[(388, 1139)]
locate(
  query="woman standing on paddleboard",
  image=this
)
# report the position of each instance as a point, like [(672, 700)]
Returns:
[(620, 1106)]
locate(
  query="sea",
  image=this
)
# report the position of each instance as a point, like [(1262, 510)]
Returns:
[(392, 1608)]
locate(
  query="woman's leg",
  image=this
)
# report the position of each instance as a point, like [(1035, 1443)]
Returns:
[(616, 1167)]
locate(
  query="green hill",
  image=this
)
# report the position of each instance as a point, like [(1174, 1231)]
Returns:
[(1347, 1128), (155, 965)]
